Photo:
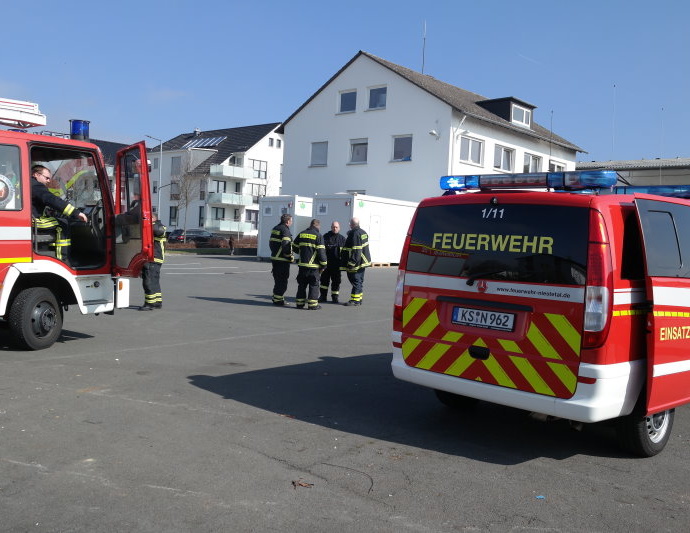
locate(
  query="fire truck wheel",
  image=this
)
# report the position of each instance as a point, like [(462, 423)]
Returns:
[(645, 435), (35, 318), (455, 401)]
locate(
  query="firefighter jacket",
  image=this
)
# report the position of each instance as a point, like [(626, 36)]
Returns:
[(281, 243), (334, 243), (42, 198), (158, 242), (355, 254), (310, 249)]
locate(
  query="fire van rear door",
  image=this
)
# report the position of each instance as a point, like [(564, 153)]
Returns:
[(132, 199), (665, 228)]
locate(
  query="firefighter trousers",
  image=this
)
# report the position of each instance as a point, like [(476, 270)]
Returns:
[(307, 278), (281, 273), (357, 280), (151, 278), (332, 276)]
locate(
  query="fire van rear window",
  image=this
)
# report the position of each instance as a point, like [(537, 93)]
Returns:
[(528, 243)]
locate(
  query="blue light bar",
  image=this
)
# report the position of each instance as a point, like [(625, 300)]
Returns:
[(568, 181), (79, 129), (676, 191)]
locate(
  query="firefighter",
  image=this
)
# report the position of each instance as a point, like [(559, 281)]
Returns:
[(45, 205), (281, 257), (334, 241), (312, 260), (151, 272), (355, 258)]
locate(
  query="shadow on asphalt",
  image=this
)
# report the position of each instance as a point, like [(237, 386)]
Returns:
[(238, 301), (7, 341), (359, 395)]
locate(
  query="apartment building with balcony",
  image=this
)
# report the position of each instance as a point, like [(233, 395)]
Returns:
[(213, 179)]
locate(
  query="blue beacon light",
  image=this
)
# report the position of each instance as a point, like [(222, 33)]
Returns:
[(79, 129), (565, 181)]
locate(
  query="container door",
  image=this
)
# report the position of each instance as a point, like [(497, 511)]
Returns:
[(132, 199), (665, 228)]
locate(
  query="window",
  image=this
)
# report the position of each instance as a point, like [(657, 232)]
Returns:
[(236, 160), (322, 209), (348, 102), (555, 166), (522, 115), (319, 154), (257, 190), (202, 190), (279, 143), (10, 179), (218, 213), (471, 150), (503, 158), (238, 187), (532, 163), (270, 141), (174, 190), (252, 217), (377, 98), (236, 215), (218, 186), (155, 187), (201, 216), (402, 148), (176, 165), (173, 215), (155, 163), (260, 168), (358, 150), (268, 211)]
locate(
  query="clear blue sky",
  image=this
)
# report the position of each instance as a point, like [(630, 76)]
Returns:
[(612, 76)]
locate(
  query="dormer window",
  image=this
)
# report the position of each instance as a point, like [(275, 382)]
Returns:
[(522, 116)]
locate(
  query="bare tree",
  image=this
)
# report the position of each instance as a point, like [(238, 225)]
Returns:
[(185, 188)]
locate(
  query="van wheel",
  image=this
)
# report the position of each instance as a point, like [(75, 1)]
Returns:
[(35, 318), (455, 401), (643, 435)]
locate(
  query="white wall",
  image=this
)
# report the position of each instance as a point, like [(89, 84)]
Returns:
[(409, 110)]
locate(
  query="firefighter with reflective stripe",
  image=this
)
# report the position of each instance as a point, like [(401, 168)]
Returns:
[(280, 244), (151, 273), (312, 260), (334, 241), (44, 205), (354, 259)]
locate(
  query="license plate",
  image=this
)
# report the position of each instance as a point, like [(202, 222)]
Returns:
[(479, 318)]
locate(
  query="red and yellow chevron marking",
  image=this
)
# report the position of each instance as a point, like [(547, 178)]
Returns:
[(544, 362)]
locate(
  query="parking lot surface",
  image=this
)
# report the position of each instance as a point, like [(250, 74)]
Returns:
[(221, 412)]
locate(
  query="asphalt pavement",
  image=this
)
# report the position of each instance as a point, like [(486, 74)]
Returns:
[(221, 412)]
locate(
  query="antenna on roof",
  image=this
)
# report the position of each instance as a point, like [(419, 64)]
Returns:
[(423, 46), (613, 126)]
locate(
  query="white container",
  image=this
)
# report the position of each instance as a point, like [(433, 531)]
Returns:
[(385, 220), (270, 210)]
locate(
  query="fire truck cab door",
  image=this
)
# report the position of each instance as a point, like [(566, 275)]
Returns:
[(132, 199), (665, 226)]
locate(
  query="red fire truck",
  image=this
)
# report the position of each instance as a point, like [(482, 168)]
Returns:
[(37, 283), (569, 300)]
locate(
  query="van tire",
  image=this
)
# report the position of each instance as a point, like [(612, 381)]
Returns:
[(642, 435), (36, 318), (455, 401)]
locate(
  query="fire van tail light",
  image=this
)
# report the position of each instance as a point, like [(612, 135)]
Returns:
[(599, 288), (398, 301)]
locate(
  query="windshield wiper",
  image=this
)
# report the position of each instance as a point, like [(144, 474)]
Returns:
[(471, 279)]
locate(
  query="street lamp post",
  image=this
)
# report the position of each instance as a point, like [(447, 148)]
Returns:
[(160, 174)]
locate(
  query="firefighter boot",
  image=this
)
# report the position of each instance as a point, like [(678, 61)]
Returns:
[(334, 298), (324, 295)]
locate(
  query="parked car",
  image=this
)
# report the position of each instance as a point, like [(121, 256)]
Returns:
[(192, 235)]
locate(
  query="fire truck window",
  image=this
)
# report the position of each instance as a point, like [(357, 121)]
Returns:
[(10, 179), (666, 237), (530, 243), (632, 262)]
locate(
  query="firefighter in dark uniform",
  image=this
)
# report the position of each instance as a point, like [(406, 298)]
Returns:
[(50, 212), (312, 260), (355, 258), (151, 273), (281, 257), (334, 241)]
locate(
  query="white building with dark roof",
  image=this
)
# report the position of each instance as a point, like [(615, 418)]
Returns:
[(382, 129), (213, 179)]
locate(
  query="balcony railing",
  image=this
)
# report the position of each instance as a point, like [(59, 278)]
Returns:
[(226, 198), (231, 171), (227, 224)]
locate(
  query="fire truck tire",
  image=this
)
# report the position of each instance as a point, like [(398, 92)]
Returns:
[(455, 401), (642, 435), (36, 318)]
